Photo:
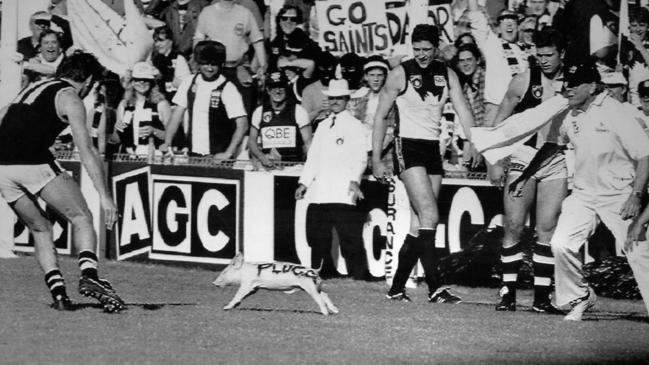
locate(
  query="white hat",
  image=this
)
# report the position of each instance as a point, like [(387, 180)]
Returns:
[(337, 87), (613, 78), (143, 70)]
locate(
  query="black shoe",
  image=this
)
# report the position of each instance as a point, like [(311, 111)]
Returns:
[(102, 291), (62, 303), (546, 307), (444, 295), (507, 300), (399, 297)]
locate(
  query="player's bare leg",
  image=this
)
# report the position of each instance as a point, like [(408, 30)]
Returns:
[(64, 195), (41, 229), (516, 211), (550, 195)]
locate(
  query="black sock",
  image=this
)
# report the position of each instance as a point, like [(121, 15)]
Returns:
[(55, 283), (543, 264), (428, 258), (512, 259), (88, 264), (407, 259)]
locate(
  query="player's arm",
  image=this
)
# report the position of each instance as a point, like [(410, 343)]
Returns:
[(394, 84), (70, 106), (460, 104), (515, 91)]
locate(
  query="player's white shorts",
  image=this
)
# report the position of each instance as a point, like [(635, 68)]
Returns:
[(16, 180), (519, 160)]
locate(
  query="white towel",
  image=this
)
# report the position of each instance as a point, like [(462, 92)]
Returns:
[(496, 143)]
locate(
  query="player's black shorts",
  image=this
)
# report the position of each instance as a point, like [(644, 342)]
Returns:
[(410, 152)]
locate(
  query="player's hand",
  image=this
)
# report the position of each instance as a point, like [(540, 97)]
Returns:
[(636, 234), (110, 211), (356, 192), (300, 191), (631, 207), (166, 150), (472, 155), (516, 187), (496, 175), (381, 172)]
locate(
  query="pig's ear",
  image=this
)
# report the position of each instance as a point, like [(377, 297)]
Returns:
[(237, 261)]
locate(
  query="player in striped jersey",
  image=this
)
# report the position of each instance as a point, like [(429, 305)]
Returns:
[(28, 127)]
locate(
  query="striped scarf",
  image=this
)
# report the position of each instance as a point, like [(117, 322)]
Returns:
[(473, 90), (511, 56)]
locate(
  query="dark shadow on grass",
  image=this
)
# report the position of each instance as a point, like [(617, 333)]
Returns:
[(279, 310), (145, 306)]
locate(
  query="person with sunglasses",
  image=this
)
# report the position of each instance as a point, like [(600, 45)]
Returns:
[(38, 22), (332, 176)]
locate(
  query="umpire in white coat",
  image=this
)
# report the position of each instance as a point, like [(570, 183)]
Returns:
[(332, 174)]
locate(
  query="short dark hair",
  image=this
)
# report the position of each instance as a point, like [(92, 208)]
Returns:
[(164, 31), (209, 51), (640, 15), (47, 32), (549, 37), (79, 66), (426, 32), (470, 47)]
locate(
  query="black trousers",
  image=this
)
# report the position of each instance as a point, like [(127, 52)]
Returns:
[(348, 221)]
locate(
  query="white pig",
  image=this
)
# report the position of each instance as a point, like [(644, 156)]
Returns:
[(283, 276)]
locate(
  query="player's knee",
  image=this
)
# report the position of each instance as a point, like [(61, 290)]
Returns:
[(514, 227), (81, 220)]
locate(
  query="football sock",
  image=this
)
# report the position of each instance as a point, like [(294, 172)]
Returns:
[(428, 257), (543, 264), (512, 259), (88, 264), (55, 283), (407, 260)]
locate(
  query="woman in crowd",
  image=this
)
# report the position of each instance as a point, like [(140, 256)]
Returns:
[(143, 113)]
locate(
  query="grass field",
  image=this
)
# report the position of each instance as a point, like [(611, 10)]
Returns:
[(275, 328)]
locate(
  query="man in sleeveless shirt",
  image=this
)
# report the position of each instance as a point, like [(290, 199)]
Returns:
[(217, 119), (29, 170), (420, 87), (547, 188)]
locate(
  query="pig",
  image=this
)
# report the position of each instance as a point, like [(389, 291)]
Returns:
[(283, 276)]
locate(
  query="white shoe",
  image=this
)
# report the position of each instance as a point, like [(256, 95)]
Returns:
[(581, 305)]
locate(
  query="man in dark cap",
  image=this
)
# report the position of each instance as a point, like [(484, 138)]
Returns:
[(611, 170), (217, 118), (281, 129)]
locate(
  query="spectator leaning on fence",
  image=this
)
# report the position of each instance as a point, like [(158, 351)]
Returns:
[(217, 119), (332, 174), (281, 130)]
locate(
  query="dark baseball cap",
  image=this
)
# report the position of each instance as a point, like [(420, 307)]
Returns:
[(508, 14), (209, 52), (276, 79), (583, 73), (643, 89)]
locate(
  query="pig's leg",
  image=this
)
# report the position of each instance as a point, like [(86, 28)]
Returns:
[(244, 290), (328, 302), (310, 288)]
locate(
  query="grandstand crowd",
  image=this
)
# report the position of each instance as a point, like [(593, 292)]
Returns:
[(247, 79)]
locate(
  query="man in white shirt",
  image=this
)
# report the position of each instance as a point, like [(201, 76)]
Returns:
[(332, 175), (217, 118), (611, 172)]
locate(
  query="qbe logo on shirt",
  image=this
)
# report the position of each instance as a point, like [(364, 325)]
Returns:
[(278, 137)]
